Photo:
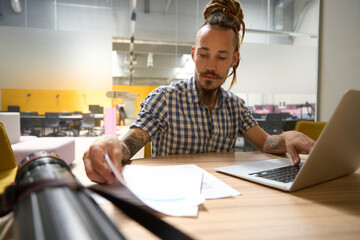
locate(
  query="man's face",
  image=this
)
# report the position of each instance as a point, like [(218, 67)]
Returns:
[(213, 55)]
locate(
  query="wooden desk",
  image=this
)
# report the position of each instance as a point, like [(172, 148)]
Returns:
[(329, 210)]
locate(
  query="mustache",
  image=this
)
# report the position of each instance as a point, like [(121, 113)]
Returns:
[(209, 73)]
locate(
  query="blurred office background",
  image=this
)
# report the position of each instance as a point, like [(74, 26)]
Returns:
[(298, 56)]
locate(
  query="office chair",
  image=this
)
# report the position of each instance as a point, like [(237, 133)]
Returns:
[(289, 125), (147, 150), (65, 124), (52, 121), (273, 123), (88, 123), (309, 128), (75, 124), (30, 124), (13, 108)]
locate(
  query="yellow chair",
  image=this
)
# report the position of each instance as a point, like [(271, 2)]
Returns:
[(147, 150), (311, 129), (8, 166)]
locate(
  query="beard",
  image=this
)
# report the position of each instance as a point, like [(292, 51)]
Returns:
[(207, 86)]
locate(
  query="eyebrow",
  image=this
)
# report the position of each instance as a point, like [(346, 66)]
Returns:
[(207, 49)]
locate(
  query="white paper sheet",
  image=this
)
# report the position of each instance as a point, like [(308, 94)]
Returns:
[(171, 190), (213, 188)]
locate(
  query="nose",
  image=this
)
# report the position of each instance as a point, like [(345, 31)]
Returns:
[(211, 64)]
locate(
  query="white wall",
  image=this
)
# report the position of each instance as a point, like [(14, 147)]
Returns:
[(50, 59), (339, 54), (277, 69), (269, 72)]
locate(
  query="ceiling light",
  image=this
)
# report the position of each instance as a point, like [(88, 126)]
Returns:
[(16, 6), (150, 60)]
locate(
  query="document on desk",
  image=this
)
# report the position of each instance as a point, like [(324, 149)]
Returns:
[(175, 190), (170, 190), (213, 188)]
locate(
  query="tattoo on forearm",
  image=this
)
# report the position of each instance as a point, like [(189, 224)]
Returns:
[(135, 142), (125, 152), (274, 144)]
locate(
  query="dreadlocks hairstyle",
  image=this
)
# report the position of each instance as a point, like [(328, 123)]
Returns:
[(227, 14)]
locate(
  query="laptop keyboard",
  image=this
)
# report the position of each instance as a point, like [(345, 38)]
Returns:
[(284, 174)]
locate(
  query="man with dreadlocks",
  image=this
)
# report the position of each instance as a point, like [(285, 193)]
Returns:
[(197, 115)]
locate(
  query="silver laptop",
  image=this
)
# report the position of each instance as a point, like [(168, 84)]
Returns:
[(335, 154)]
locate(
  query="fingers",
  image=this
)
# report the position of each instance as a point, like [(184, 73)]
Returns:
[(300, 143), (308, 144), (98, 162), (116, 157), (96, 167), (90, 172), (294, 154)]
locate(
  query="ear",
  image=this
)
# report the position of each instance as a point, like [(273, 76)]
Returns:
[(193, 52), (236, 57)]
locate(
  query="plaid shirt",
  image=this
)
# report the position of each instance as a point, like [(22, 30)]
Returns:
[(178, 123)]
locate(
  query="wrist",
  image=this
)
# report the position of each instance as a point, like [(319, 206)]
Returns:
[(126, 155), (275, 144), (126, 162)]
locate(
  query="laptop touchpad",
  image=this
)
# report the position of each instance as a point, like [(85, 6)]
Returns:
[(264, 165)]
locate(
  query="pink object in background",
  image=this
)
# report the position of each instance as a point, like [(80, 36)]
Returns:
[(110, 121), (262, 111)]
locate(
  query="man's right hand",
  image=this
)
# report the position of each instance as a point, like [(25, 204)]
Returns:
[(119, 151), (95, 164)]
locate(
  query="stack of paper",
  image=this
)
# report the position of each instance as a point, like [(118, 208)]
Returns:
[(175, 190)]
